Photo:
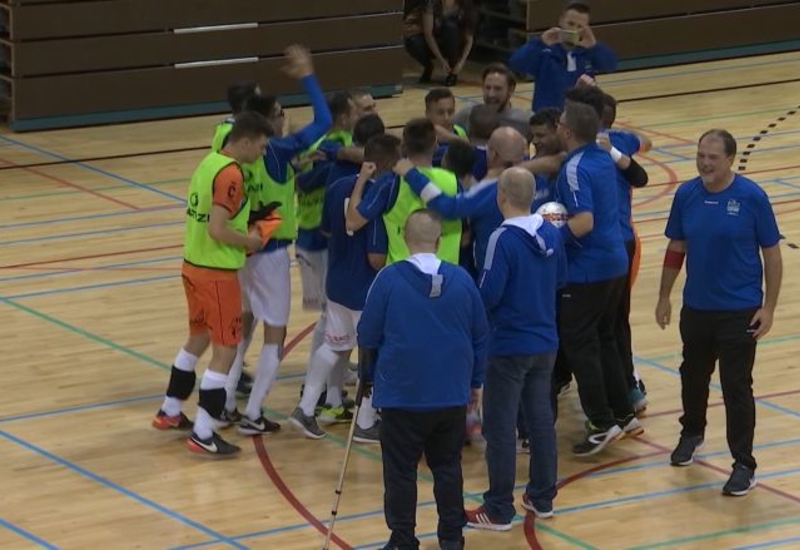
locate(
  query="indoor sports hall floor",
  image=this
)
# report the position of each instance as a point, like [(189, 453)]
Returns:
[(92, 313)]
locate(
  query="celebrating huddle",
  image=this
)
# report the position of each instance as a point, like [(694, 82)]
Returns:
[(476, 277)]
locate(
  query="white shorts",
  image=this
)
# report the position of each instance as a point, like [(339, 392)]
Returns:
[(313, 267), (266, 282), (340, 327)]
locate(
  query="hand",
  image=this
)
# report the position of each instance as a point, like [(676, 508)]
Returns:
[(587, 39), (368, 170), (476, 398), (445, 66), (263, 212), (603, 141), (403, 167), (761, 323), (254, 242), (442, 133), (300, 64), (663, 312), (552, 36), (458, 67), (317, 155), (586, 80)]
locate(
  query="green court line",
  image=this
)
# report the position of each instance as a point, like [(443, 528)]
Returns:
[(77, 192), (331, 437), (761, 343), (717, 534), (718, 117)]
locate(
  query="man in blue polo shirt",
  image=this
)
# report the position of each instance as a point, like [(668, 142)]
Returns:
[(597, 268), (425, 322), (719, 222), (522, 352), (354, 260)]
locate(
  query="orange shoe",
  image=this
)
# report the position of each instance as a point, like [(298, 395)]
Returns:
[(163, 422)]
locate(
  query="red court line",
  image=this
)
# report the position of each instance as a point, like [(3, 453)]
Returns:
[(701, 462), (93, 256), (721, 403), (656, 133), (275, 477), (70, 184), (667, 187)]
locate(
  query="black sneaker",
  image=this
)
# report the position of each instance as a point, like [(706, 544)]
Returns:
[(306, 423), (214, 446), (245, 384), (683, 455), (261, 426), (451, 544), (229, 418), (741, 481), (596, 440)]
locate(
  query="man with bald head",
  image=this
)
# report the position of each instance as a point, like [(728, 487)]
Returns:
[(524, 267), (425, 323), (506, 148)]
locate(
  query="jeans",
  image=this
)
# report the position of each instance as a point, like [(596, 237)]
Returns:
[(511, 380), (405, 436), (449, 38), (708, 336)]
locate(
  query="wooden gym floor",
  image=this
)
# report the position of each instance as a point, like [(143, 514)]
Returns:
[(92, 313)]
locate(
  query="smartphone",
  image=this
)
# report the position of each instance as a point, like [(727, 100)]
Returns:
[(569, 36)]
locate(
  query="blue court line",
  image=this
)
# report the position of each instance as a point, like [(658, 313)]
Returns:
[(782, 181), (742, 137), (80, 270), (89, 287), (147, 210), (90, 233), (92, 169), (120, 489), (767, 544), (28, 535)]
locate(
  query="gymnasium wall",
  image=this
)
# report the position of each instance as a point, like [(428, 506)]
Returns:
[(646, 33), (76, 62)]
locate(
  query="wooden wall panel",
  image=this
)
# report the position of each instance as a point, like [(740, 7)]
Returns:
[(43, 57), (159, 87)]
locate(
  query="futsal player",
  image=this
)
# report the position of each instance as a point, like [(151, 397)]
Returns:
[(440, 105)]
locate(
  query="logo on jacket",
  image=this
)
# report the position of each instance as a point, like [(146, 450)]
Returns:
[(733, 207)]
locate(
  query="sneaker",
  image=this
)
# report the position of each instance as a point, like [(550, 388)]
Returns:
[(451, 544), (683, 455), (523, 446), (245, 384), (642, 388), (741, 481), (369, 435), (308, 424), (179, 422), (633, 428), (262, 426), (596, 440), (638, 400), (213, 446), (229, 418), (334, 415), (478, 519), (541, 512), (347, 403)]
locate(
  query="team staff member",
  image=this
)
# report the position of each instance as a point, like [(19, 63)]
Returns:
[(523, 347), (215, 242), (425, 322), (719, 222), (596, 276)]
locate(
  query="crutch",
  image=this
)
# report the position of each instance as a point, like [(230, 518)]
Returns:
[(364, 358)]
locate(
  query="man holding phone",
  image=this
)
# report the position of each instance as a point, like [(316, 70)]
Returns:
[(561, 55)]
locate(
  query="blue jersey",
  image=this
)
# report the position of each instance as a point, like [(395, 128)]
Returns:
[(349, 272), (481, 165), (628, 144), (587, 183), (723, 232)]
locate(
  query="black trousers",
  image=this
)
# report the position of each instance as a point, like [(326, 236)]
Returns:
[(709, 336), (405, 436), (587, 328), (623, 321), (450, 38)]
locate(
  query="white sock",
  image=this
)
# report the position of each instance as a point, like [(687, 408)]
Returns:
[(184, 361), (319, 369), (204, 423), (335, 383), (318, 336), (266, 373), (233, 377), (367, 415)]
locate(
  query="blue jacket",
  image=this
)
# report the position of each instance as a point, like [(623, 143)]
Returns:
[(431, 336), (526, 264), (550, 67)]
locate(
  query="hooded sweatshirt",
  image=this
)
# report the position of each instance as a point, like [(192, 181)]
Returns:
[(525, 266), (426, 321)]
